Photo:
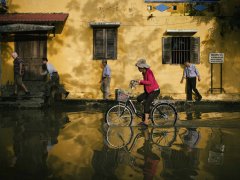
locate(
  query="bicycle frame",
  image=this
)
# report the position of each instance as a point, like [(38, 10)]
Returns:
[(130, 104)]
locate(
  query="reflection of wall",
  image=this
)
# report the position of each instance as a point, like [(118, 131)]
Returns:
[(71, 157), (25, 138), (71, 52), (180, 164)]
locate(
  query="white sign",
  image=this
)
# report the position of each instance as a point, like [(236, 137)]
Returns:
[(216, 58)]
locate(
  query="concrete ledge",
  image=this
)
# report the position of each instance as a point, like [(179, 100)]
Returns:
[(181, 105), (33, 102)]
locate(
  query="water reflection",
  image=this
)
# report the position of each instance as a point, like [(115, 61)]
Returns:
[(29, 138), (182, 162), (134, 150), (148, 147), (191, 115), (77, 145), (217, 147), (104, 163)]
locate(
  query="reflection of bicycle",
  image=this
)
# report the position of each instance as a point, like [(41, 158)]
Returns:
[(122, 113), (123, 139), (119, 137)]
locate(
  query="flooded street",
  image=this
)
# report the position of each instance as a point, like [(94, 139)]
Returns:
[(37, 144)]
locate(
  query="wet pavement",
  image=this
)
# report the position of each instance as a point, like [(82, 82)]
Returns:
[(64, 144)]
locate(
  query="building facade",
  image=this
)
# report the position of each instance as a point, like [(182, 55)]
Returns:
[(75, 35)]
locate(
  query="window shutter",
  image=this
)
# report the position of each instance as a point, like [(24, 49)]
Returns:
[(111, 43), (195, 50), (98, 49), (166, 50)]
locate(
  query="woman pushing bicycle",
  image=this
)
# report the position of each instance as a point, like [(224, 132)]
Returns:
[(151, 88)]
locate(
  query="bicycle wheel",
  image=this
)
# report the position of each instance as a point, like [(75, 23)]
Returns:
[(119, 115), (164, 114), (118, 137), (164, 137)]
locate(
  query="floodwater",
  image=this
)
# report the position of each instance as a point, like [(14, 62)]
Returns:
[(52, 144)]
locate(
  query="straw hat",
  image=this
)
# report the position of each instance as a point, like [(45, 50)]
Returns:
[(141, 63)]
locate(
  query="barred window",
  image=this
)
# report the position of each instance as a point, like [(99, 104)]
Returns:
[(105, 43), (177, 50)]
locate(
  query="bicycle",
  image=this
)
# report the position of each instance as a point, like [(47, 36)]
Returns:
[(122, 113)]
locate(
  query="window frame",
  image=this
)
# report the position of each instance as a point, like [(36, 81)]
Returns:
[(106, 50), (167, 49)]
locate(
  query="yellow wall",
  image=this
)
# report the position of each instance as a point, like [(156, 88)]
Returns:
[(71, 51), (7, 62)]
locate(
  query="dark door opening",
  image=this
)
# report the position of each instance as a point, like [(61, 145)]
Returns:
[(31, 48)]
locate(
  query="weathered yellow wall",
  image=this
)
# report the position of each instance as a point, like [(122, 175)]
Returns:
[(71, 52)]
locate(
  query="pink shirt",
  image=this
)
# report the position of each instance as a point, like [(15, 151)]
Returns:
[(149, 81)]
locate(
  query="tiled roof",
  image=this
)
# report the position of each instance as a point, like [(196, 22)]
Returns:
[(32, 17)]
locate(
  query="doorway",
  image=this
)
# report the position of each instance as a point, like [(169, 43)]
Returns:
[(31, 48)]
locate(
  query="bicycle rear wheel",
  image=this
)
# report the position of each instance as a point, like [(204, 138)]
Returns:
[(164, 114), (119, 115), (164, 137)]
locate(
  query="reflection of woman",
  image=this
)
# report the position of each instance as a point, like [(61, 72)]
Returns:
[(151, 88), (151, 159)]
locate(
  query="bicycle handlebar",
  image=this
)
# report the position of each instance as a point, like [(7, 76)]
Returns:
[(133, 84)]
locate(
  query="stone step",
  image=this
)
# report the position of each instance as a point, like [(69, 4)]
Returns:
[(35, 87)]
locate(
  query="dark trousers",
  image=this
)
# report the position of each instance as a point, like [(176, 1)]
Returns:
[(191, 86), (148, 99)]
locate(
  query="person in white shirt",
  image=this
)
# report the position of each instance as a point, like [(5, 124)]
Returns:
[(190, 73), (48, 68), (105, 79)]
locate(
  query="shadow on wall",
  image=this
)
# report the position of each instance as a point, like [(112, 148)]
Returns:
[(224, 37), (81, 36), (12, 7), (7, 67), (101, 11), (6, 49)]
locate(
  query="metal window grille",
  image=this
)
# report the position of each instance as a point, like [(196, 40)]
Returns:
[(180, 50)]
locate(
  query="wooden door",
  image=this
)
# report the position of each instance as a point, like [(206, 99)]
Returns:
[(31, 48)]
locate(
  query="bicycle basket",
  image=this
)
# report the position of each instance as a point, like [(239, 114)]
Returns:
[(122, 96)]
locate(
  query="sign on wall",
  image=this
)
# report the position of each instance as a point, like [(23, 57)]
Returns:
[(216, 58), (182, 1)]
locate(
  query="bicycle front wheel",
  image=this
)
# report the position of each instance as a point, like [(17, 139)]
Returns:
[(119, 115), (164, 114)]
